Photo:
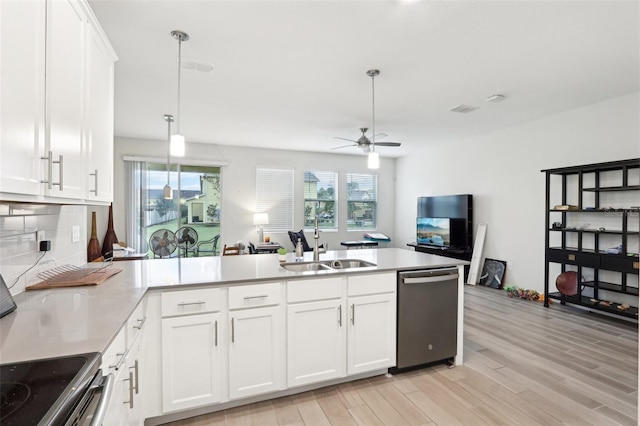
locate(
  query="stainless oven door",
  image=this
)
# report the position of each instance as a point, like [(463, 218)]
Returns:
[(93, 406)]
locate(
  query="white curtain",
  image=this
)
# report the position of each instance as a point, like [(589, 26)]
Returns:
[(135, 197)]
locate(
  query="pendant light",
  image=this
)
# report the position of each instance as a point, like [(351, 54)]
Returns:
[(167, 191), (177, 140), (373, 159)]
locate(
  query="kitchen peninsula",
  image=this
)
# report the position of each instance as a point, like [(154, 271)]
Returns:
[(192, 316)]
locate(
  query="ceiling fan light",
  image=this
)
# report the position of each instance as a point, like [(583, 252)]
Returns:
[(177, 145), (373, 160)]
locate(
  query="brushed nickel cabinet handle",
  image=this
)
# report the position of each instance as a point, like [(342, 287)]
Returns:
[(130, 380), (216, 333), (60, 163), (95, 182), (199, 302), (49, 180), (140, 323), (340, 315), (233, 331), (136, 376), (353, 313), (261, 296)]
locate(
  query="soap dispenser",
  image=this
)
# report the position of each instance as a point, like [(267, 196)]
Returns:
[(299, 251)]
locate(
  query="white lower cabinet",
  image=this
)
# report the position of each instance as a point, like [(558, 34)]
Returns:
[(371, 336), (123, 360), (227, 343), (133, 397), (114, 363), (191, 365), (256, 346), (190, 361), (372, 333), (340, 326), (315, 342), (316, 324)]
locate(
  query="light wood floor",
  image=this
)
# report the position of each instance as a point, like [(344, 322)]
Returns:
[(524, 365)]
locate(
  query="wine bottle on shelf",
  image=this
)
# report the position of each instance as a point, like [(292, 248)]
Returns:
[(110, 237), (93, 249)]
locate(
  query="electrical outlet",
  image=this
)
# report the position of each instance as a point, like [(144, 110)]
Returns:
[(75, 234), (39, 236)]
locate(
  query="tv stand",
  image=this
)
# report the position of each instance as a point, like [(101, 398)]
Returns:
[(454, 253)]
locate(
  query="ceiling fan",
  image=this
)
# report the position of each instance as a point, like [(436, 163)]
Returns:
[(366, 144)]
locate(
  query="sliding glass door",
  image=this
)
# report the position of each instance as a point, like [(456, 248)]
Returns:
[(185, 224)]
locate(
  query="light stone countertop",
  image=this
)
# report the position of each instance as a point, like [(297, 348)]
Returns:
[(73, 320)]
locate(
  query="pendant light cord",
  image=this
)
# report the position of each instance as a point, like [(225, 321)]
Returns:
[(179, 79), (169, 119)]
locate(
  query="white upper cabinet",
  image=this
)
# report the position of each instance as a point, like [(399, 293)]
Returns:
[(99, 109), (56, 81), (64, 90), (22, 53)]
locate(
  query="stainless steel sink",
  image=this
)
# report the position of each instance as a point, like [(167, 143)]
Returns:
[(326, 265), (350, 263), (305, 266)]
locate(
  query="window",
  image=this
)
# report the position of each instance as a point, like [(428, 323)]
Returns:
[(362, 196), (196, 203), (274, 196), (320, 199)]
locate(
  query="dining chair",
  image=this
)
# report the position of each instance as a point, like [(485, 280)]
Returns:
[(230, 251)]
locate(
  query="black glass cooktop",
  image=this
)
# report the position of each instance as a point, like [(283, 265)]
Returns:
[(34, 390)]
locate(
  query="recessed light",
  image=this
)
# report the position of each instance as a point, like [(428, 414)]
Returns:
[(463, 108), (495, 98)]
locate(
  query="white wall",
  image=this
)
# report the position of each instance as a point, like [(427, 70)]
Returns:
[(238, 186), (502, 171)]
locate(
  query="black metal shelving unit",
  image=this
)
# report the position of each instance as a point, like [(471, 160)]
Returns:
[(574, 253)]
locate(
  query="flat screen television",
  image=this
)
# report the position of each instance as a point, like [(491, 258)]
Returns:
[(440, 232), (458, 207)]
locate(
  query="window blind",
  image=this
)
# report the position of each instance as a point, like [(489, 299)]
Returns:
[(274, 196)]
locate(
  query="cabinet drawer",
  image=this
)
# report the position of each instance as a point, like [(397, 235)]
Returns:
[(620, 263), (114, 355), (248, 296), (320, 289), (135, 323), (187, 302), (590, 260), (371, 284)]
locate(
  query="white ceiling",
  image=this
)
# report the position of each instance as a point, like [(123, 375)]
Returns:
[(292, 74)]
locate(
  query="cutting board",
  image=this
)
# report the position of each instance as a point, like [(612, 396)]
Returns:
[(76, 279)]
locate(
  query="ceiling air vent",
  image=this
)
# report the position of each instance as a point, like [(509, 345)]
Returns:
[(463, 108), (195, 65)]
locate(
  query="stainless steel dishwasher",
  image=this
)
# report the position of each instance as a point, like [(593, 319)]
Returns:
[(427, 316)]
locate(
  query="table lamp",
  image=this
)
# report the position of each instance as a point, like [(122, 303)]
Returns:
[(260, 219)]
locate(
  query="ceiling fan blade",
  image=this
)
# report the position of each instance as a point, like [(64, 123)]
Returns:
[(388, 144), (381, 135), (345, 139), (343, 146)]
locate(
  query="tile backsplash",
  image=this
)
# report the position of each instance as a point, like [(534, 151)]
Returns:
[(19, 249)]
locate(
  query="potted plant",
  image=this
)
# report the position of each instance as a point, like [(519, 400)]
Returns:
[(282, 254)]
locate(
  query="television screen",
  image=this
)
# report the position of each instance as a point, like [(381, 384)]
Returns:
[(434, 231)]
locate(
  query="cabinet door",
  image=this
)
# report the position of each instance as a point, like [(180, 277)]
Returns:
[(255, 352), (132, 387), (22, 53), (190, 361), (315, 342), (117, 412), (371, 339), (64, 97), (99, 132)]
